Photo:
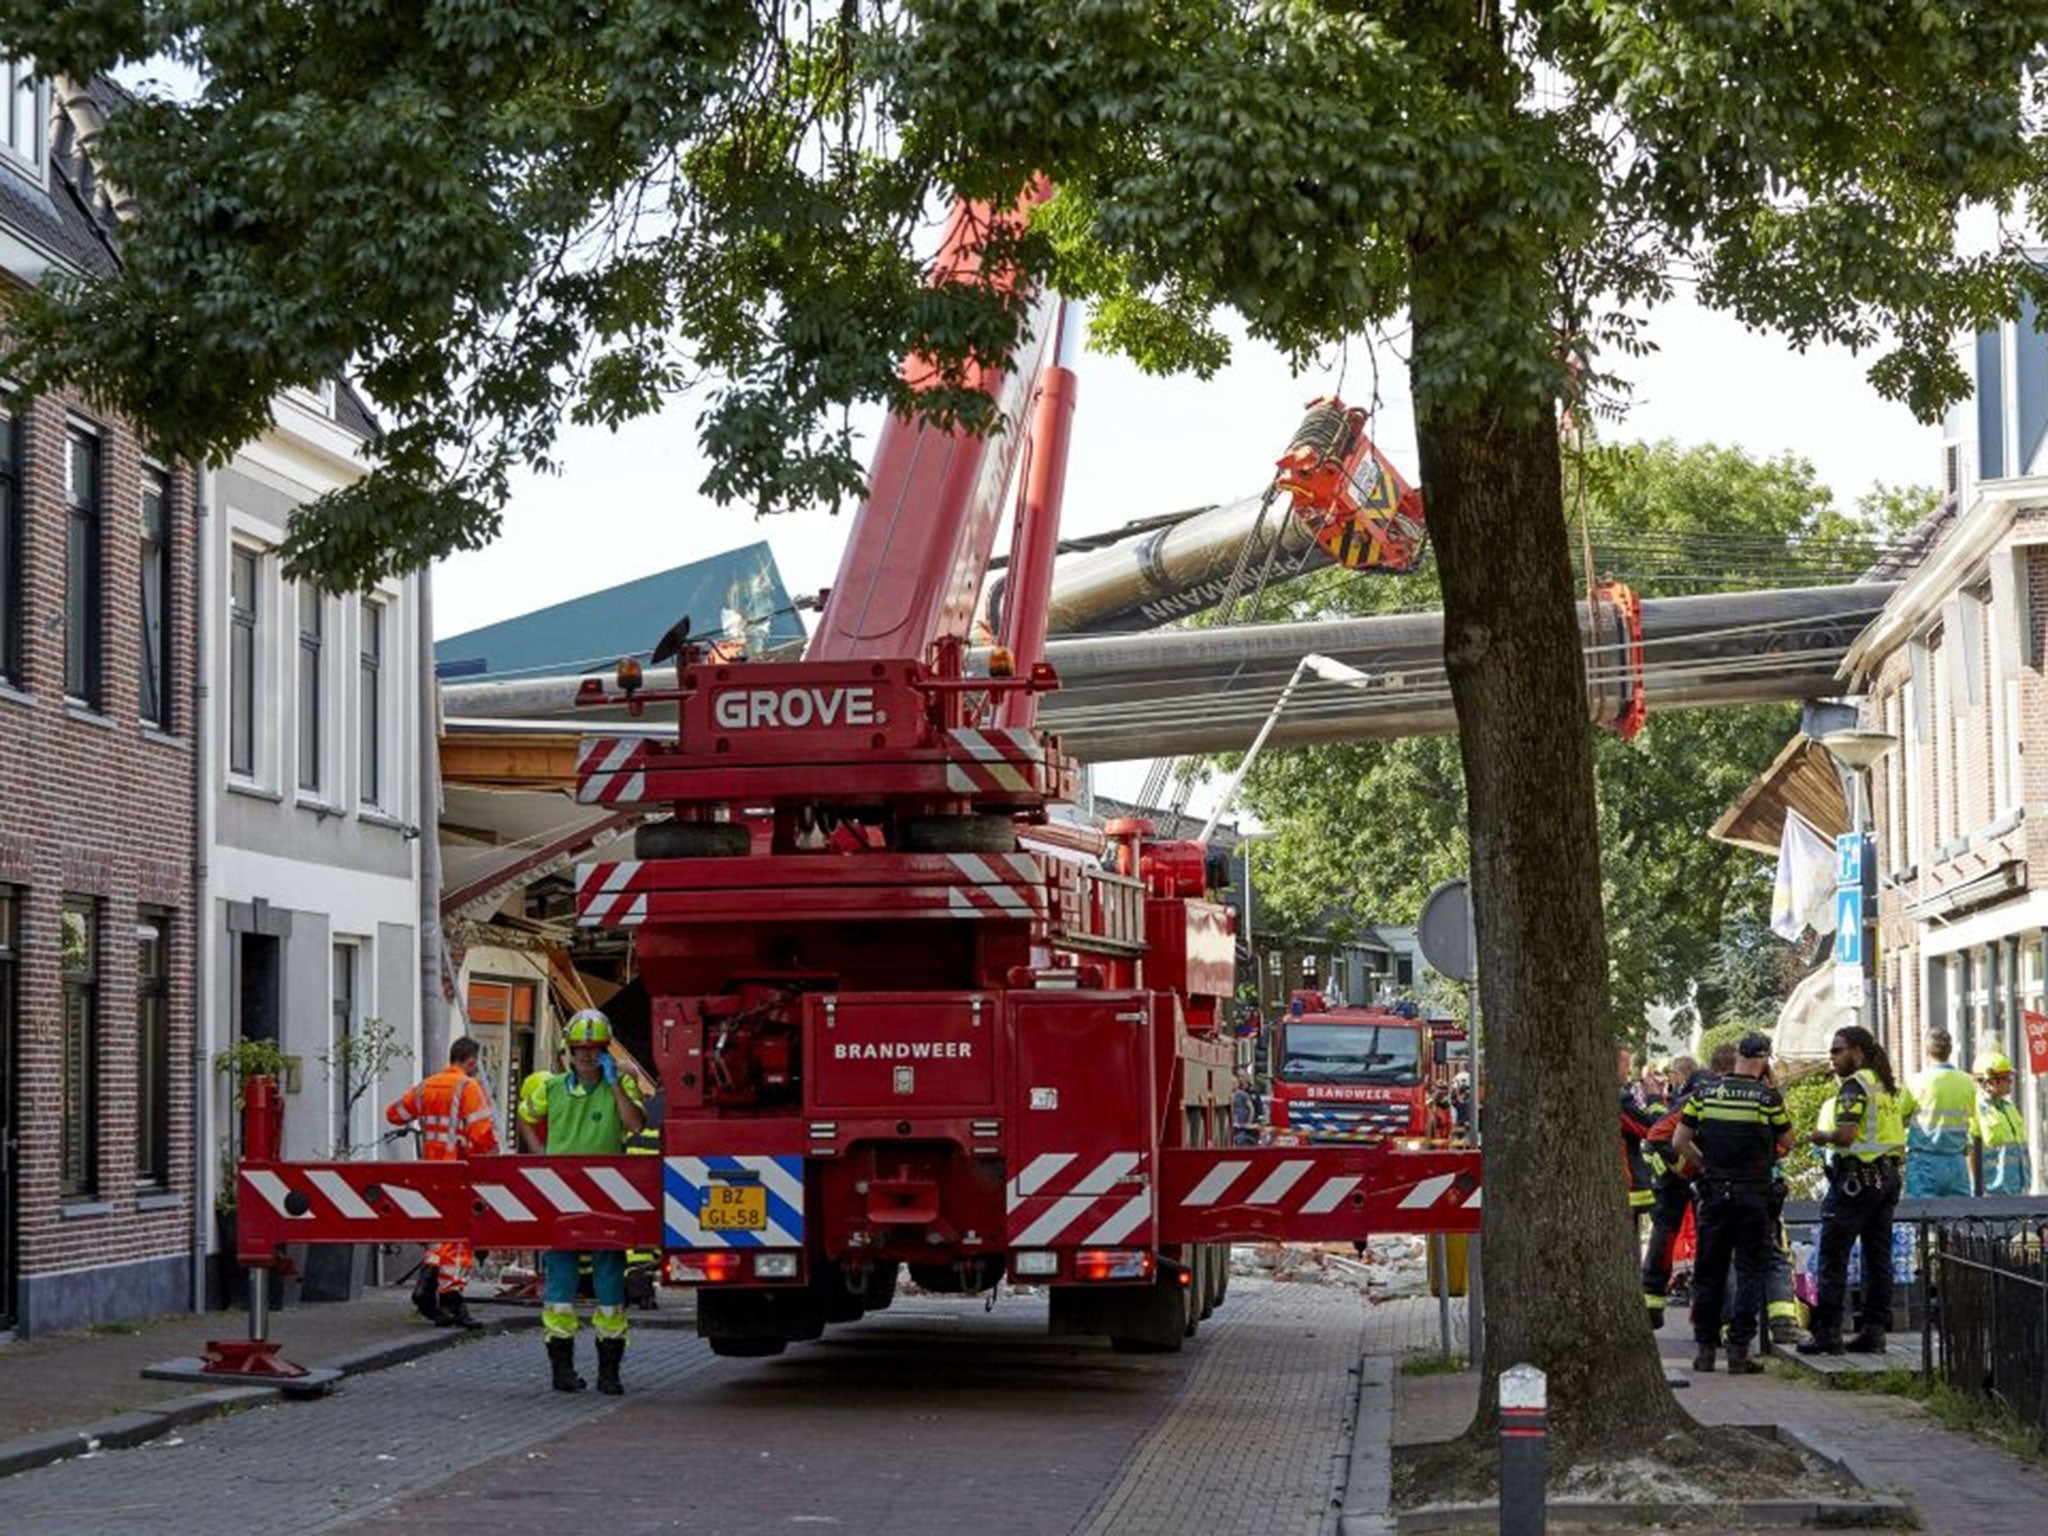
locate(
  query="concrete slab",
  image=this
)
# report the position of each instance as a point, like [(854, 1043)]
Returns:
[(1369, 1484)]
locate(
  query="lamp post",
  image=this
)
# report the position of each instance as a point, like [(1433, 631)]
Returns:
[(1856, 753), (1330, 671)]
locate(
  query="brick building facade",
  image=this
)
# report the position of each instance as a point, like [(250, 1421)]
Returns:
[(96, 854), (1956, 671)]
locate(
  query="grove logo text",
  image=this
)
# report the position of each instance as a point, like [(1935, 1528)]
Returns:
[(745, 709)]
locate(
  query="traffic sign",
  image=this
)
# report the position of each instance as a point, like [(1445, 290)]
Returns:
[(1849, 860), (1849, 926), (1444, 930)]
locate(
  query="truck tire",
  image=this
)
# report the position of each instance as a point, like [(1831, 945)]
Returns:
[(745, 1349), (692, 840), (959, 834)]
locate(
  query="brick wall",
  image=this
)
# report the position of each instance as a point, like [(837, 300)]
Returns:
[(96, 805)]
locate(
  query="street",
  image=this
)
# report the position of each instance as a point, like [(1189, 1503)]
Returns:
[(931, 1417)]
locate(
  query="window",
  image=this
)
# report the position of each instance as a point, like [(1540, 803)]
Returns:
[(370, 703), (26, 113), (82, 607), (11, 596), (311, 620), (78, 1064), (242, 572), (153, 1049), (156, 597)]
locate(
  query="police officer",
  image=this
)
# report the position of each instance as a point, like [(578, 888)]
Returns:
[(1862, 1134), (1735, 1128)]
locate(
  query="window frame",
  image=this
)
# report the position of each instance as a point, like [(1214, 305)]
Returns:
[(154, 651), (35, 159), (13, 545), (245, 664), (309, 698), (85, 617), (78, 1154), (153, 1047), (371, 626)]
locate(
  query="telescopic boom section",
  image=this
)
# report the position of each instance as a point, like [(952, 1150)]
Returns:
[(921, 542)]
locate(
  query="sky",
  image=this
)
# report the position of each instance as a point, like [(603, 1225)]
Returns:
[(626, 505)]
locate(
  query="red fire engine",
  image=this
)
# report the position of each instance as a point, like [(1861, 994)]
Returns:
[(904, 1020), (1367, 1076)]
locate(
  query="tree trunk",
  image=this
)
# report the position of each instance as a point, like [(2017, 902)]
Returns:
[(1561, 1291)]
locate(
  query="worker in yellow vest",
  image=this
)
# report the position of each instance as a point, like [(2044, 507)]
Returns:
[(1862, 1135), (2000, 1151), (1938, 1134)]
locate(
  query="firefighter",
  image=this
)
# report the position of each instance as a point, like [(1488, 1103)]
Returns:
[(1735, 1129), (1643, 1103), (1938, 1134), (590, 1111), (1671, 1187), (1862, 1135), (2000, 1148), (643, 1265), (453, 1112)]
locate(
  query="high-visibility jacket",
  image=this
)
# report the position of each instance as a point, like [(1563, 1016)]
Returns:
[(453, 1112), (2003, 1157), (1881, 1131), (1945, 1105)]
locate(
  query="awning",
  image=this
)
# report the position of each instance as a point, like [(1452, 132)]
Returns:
[(1802, 778), (1808, 1019)]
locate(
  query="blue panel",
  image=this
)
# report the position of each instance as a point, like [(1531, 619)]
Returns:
[(589, 633), (2031, 347), (1990, 407)]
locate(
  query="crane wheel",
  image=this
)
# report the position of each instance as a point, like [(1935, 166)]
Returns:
[(959, 834), (692, 840)]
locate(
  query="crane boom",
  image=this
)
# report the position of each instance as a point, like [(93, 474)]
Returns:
[(920, 545)]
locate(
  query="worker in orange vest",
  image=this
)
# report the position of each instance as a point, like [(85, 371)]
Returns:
[(453, 1112)]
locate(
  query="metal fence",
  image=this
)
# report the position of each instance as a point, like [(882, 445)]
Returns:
[(1991, 1314), (1978, 1292)]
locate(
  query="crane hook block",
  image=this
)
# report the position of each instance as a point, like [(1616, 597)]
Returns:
[(1353, 502)]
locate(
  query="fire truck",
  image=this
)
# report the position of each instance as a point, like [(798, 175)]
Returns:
[(906, 1021), (1368, 1075)]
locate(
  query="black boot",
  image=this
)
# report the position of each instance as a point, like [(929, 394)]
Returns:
[(426, 1293), (562, 1360), (1868, 1341), (1824, 1341), (609, 1353), (1739, 1363), (455, 1313), (1704, 1359)]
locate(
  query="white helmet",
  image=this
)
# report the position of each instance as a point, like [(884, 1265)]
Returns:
[(1462, 1080)]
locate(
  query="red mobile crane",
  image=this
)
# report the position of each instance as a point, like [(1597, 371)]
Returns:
[(902, 1019)]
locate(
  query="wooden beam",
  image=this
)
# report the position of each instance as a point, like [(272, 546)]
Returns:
[(484, 761)]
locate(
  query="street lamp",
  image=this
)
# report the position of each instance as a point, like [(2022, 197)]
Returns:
[(1330, 671), (1856, 753)]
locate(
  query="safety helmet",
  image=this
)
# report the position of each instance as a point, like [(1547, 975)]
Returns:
[(1995, 1065), (1462, 1080), (587, 1026)]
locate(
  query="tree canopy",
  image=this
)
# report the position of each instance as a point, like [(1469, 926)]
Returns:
[(498, 217)]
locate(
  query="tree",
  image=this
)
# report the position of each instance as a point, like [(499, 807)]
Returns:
[(498, 214)]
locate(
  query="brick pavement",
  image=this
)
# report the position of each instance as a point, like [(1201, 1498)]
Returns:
[(1958, 1482), (924, 1419), (319, 1465), (1260, 1436)]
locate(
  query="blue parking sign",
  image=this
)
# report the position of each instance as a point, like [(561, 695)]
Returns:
[(1849, 926)]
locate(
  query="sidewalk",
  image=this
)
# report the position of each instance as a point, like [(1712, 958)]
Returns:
[(1956, 1481), (59, 1392)]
